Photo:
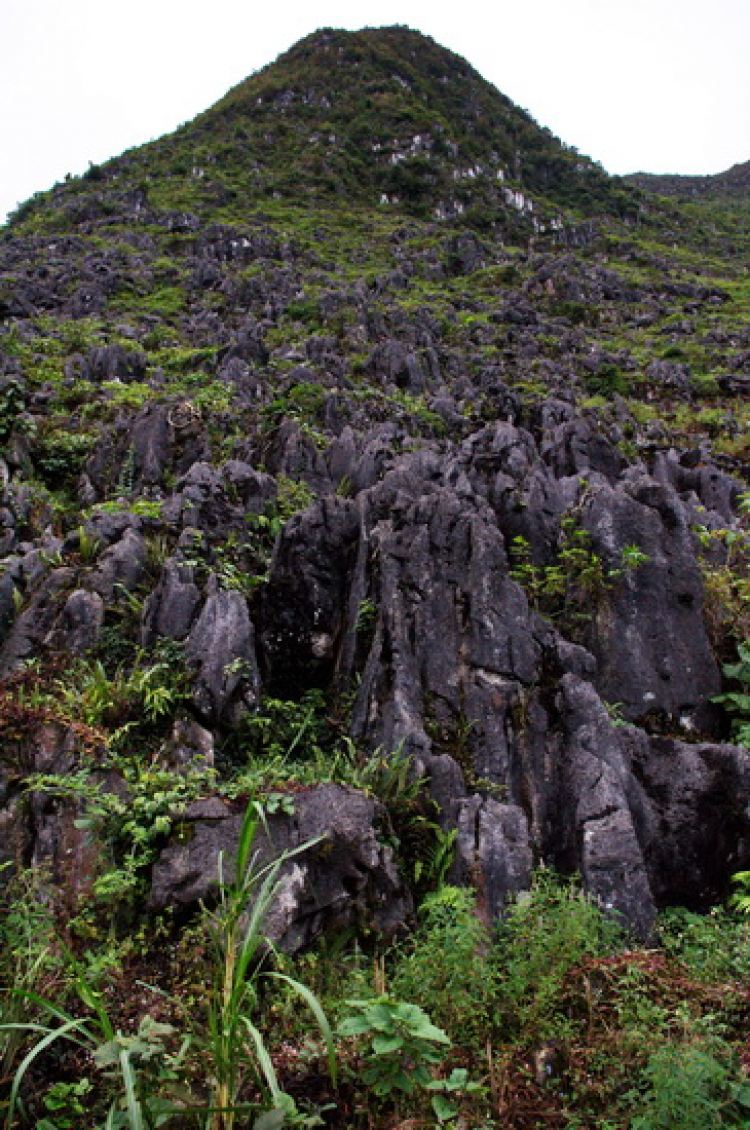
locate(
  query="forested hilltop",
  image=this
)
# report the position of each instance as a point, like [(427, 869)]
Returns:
[(374, 545)]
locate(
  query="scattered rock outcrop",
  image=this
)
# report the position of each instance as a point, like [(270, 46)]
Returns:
[(454, 488), (502, 711)]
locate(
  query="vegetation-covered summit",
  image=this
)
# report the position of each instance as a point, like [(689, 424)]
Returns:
[(380, 116)]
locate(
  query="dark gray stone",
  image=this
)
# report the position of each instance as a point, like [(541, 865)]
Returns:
[(82, 620), (220, 651), (647, 632), (171, 608), (604, 811), (121, 566), (33, 624), (493, 852), (151, 440), (342, 877), (698, 794)]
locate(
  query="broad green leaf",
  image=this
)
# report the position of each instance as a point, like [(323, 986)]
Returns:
[(444, 1109), (384, 1045)]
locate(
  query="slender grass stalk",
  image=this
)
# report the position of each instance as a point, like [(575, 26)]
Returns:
[(315, 1007), (132, 1104), (236, 1044), (51, 1034)]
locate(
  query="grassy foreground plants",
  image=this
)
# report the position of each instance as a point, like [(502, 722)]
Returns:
[(450, 1025), (148, 1073), (29, 964), (544, 936), (138, 1065), (446, 967), (693, 1086), (235, 1044)]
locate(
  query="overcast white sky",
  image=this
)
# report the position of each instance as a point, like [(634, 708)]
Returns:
[(654, 85)]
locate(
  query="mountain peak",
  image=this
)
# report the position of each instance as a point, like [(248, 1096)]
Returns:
[(380, 117), (307, 500)]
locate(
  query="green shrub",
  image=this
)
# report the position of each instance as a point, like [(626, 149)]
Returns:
[(130, 828), (737, 702), (545, 934), (60, 457), (713, 947), (12, 404), (402, 1044), (147, 692), (565, 590), (691, 1088), (609, 380), (445, 967), (30, 960)]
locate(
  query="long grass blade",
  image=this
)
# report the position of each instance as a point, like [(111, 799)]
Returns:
[(133, 1107), (267, 876), (42, 1002), (55, 1034), (264, 1059), (24, 1026), (252, 936), (91, 998), (316, 1008), (247, 838), (300, 733)]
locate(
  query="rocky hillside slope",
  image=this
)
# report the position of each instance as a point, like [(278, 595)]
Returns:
[(362, 433), (735, 182)]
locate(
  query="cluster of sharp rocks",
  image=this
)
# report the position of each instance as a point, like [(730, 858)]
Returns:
[(589, 744)]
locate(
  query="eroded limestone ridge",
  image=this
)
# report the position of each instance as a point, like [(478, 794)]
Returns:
[(362, 440)]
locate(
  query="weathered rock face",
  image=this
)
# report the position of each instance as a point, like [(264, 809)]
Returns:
[(493, 852), (699, 826), (82, 618), (336, 874), (37, 828), (649, 637), (599, 816), (456, 631), (457, 667), (36, 620), (172, 606), (499, 558), (221, 652), (408, 587), (304, 604)]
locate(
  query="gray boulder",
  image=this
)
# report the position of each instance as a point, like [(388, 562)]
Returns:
[(647, 632), (170, 609), (340, 875), (220, 651), (82, 620), (493, 852)]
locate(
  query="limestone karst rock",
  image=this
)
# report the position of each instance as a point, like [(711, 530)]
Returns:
[(364, 402)]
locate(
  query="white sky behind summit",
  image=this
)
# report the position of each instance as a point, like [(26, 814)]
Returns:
[(639, 85)]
